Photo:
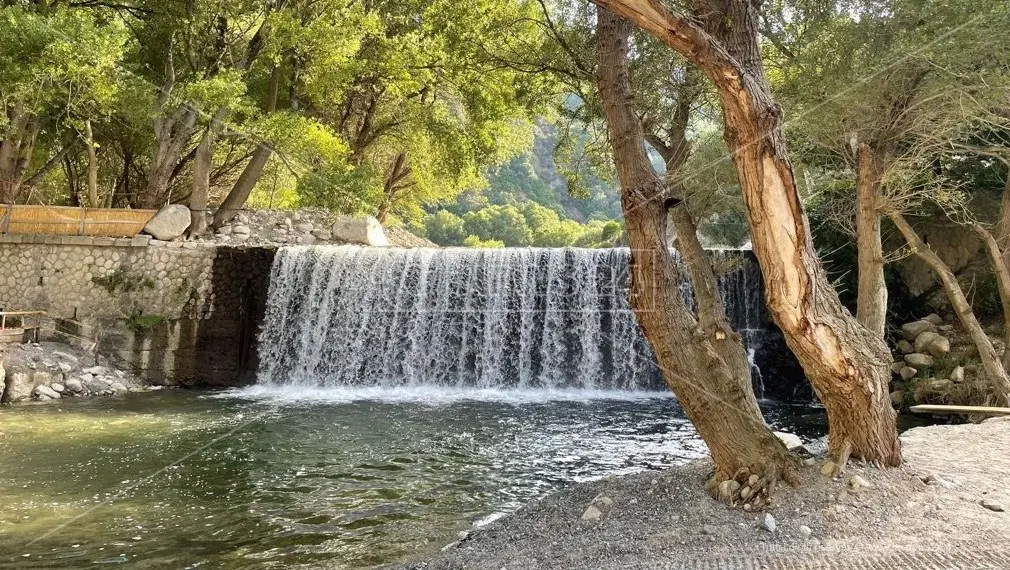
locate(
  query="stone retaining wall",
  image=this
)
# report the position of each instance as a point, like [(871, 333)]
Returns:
[(176, 313)]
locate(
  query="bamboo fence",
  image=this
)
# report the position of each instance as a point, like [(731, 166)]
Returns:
[(70, 221)]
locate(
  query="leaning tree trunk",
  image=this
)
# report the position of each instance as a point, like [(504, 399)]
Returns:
[(847, 364), (999, 268), (1003, 247), (716, 397), (243, 187), (871, 299), (709, 307), (996, 385)]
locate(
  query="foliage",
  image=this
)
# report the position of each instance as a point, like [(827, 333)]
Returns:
[(139, 322), (122, 281)]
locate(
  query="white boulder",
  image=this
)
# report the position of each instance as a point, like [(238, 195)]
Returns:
[(366, 231), (169, 223)]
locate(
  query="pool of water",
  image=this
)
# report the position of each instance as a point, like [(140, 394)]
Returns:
[(308, 479)]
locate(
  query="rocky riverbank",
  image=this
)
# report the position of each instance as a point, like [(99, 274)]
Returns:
[(935, 362), (946, 507), (49, 371)]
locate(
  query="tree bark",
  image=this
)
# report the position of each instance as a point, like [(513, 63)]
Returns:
[(89, 139), (871, 301), (995, 384), (718, 401), (847, 364)]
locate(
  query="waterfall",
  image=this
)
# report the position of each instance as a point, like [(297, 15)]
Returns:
[(484, 318)]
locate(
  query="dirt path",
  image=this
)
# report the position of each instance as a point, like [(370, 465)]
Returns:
[(927, 514)]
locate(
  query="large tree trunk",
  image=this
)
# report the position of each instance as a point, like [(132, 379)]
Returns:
[(995, 384), (847, 364), (172, 134), (871, 302), (202, 165), (718, 400), (89, 139), (201, 184), (16, 152)]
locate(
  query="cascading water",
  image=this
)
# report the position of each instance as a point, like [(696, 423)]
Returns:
[(491, 318)]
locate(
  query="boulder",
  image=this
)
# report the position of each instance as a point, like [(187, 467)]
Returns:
[(304, 227), (57, 387), (934, 318), (322, 235), (924, 340), (792, 441), (19, 386), (240, 230), (74, 385), (918, 361), (957, 375), (914, 329), (938, 347), (907, 372), (367, 231), (43, 391), (897, 366), (169, 223), (905, 347)]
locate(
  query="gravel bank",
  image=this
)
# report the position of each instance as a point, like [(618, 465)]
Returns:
[(940, 510)]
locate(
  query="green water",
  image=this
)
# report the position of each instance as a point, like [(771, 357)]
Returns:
[(181, 479)]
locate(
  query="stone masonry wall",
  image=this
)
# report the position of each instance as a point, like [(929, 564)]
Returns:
[(176, 313)]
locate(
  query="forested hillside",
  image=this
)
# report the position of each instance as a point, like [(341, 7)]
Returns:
[(529, 202)]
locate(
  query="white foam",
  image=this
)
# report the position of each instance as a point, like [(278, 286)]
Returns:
[(427, 395)]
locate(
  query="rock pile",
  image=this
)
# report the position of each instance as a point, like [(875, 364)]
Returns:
[(50, 371), (918, 359)]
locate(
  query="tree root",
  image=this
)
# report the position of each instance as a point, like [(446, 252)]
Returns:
[(749, 490), (843, 460)]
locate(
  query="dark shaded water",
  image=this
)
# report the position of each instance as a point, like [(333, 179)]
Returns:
[(334, 479)]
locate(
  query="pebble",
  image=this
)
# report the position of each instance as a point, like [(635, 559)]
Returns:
[(592, 514), (856, 483), (828, 468), (768, 522), (805, 531)]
